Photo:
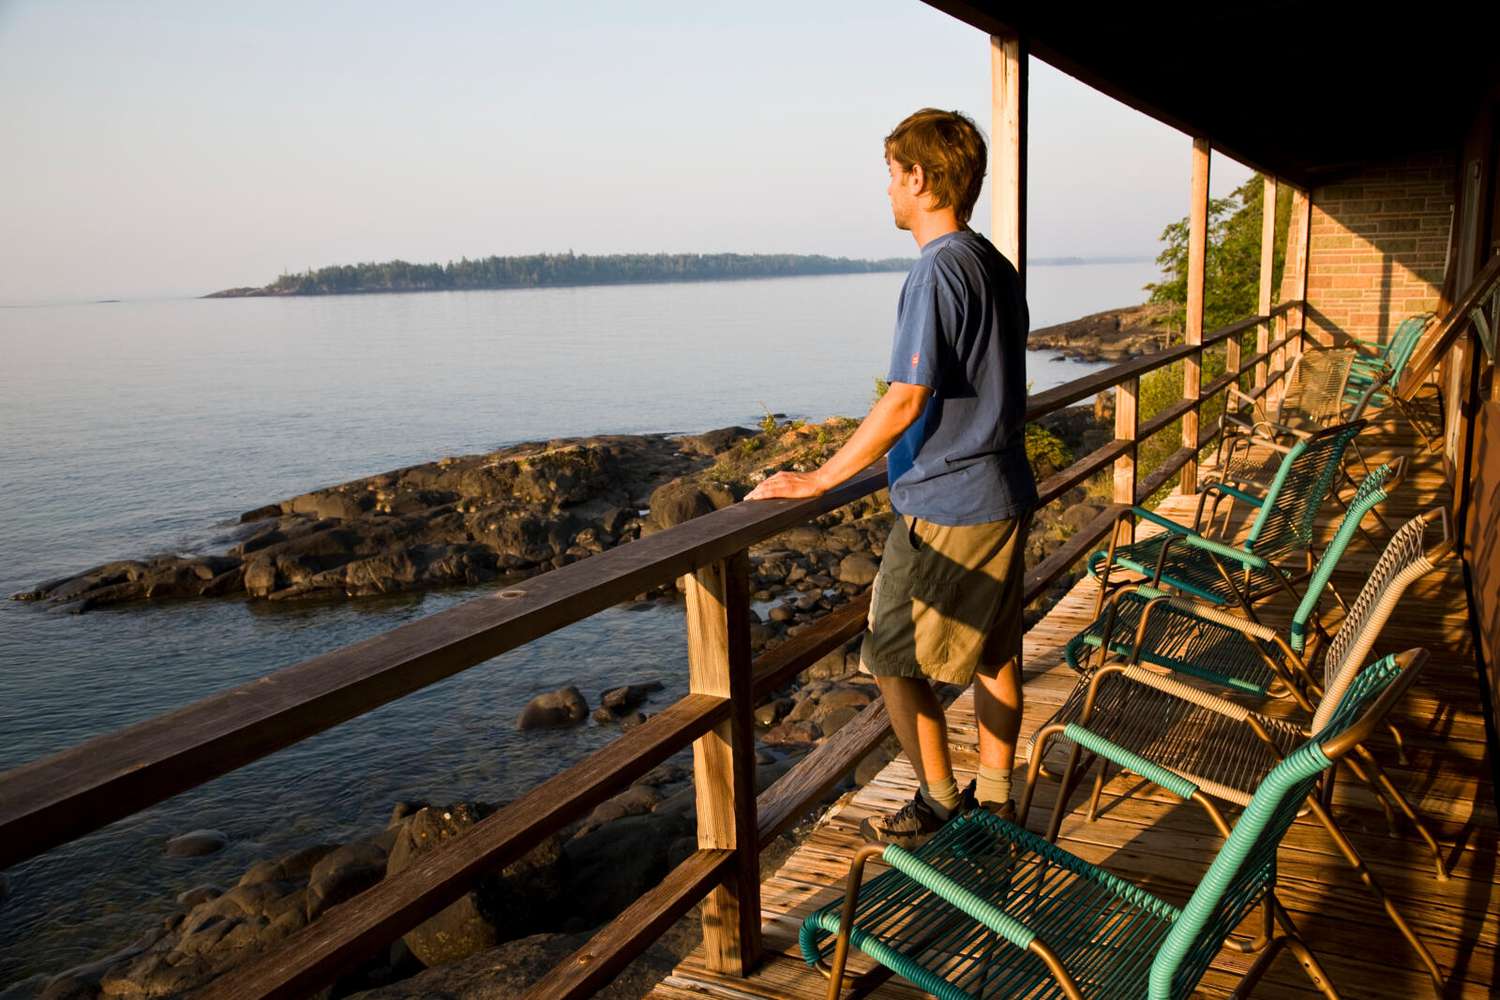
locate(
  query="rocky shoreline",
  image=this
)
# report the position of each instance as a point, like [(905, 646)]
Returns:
[(1112, 335), (496, 516)]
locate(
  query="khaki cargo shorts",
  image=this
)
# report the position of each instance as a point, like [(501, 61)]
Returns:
[(947, 600)]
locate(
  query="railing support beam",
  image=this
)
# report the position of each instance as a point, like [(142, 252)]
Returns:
[(1008, 149), (1192, 365), (1127, 428), (1267, 273), (718, 629)]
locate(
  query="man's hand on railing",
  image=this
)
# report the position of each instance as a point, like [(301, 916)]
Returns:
[(789, 486)]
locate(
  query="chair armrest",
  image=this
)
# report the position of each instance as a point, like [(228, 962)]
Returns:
[(963, 898), (1236, 492), (1152, 772), (1186, 692), (1219, 616), (1190, 537)]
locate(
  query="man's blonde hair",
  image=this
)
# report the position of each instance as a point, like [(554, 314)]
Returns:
[(952, 152)]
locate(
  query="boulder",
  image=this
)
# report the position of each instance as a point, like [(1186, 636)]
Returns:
[(678, 501), (857, 568), (465, 926), (500, 973), (555, 709), (609, 867), (793, 733), (712, 442), (622, 699), (198, 894), (196, 844), (343, 874)]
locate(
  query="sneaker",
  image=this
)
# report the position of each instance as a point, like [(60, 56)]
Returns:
[(913, 824)]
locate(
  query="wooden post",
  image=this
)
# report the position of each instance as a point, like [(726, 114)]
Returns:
[(1192, 366), (718, 628), (1008, 149), (1296, 262), (1302, 209), (1127, 427), (1267, 271)]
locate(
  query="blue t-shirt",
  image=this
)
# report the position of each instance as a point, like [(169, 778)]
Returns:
[(961, 327)]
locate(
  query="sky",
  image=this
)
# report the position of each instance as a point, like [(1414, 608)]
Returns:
[(163, 148)]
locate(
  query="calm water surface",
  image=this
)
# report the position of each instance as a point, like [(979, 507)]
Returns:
[(140, 427)]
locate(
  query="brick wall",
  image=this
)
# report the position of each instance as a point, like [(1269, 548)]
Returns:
[(1379, 242)]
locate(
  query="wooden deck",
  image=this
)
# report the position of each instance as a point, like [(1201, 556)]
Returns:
[(1147, 836)]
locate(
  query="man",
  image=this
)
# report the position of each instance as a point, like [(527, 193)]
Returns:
[(946, 605)]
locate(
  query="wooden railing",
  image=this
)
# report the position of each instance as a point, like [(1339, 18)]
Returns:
[(60, 798)]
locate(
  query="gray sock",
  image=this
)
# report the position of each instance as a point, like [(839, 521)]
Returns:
[(993, 784), (942, 797)]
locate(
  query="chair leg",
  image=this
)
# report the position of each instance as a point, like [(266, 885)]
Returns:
[(846, 919), (1065, 790), (1346, 848), (1290, 940), (1383, 783), (1099, 779)]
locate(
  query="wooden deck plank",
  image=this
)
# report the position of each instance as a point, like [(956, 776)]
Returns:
[(1148, 836)]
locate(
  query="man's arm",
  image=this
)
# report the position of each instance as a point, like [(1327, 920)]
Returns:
[(887, 420)]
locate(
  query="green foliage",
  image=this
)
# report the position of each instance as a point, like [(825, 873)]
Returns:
[(823, 435), (767, 422), (881, 388), (751, 445), (1048, 452), (1232, 260), (539, 270)]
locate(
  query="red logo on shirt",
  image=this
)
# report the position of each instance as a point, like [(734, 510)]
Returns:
[(914, 360)]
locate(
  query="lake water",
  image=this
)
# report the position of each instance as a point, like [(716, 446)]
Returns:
[(139, 427)]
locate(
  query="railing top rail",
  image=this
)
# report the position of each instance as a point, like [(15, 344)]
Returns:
[(61, 797), (1437, 342), (58, 798)]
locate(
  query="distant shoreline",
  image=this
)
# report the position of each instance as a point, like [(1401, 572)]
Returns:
[(577, 271)]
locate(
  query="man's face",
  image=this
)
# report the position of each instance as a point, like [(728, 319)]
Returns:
[(903, 192)]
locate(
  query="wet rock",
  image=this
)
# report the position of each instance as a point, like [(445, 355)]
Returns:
[(343, 874), (621, 699), (555, 709), (196, 844), (198, 894)]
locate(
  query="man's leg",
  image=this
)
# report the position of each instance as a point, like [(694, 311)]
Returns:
[(922, 730), (997, 710)]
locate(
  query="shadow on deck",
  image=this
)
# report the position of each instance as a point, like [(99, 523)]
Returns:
[(1150, 837)]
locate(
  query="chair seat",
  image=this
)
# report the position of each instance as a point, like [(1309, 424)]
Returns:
[(1188, 569), (1218, 754), (1104, 929), (1180, 641)]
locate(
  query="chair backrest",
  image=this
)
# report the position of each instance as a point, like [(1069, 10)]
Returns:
[(1404, 342), (1289, 514), (1314, 394), (1373, 489), (1411, 554), (1245, 868)]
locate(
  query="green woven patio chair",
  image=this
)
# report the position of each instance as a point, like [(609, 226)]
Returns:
[(1378, 368), (1222, 746), (1210, 643), (1312, 398), (1276, 552), (988, 909), (1379, 365)]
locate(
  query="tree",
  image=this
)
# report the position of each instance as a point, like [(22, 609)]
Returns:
[(1232, 262)]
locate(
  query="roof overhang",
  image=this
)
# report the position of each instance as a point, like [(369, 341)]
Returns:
[(1306, 92)]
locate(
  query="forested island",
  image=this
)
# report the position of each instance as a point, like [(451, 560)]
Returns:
[(552, 270)]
